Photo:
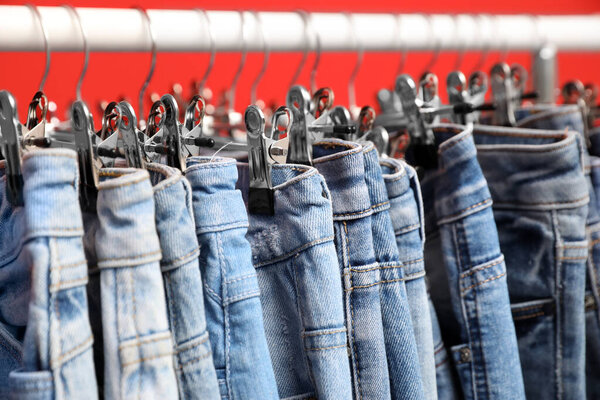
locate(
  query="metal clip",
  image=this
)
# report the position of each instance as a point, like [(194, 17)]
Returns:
[(298, 101), (154, 132), (82, 128), (458, 94), (262, 153), (34, 132), (574, 92), (193, 137), (124, 140), (10, 144), (369, 133)]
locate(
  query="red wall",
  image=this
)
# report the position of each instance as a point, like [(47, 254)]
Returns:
[(111, 76)]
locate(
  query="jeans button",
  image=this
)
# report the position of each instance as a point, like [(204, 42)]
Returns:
[(465, 354)]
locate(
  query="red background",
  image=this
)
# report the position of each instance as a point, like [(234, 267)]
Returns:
[(111, 76)]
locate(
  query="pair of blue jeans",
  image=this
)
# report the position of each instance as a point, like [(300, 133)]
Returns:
[(127, 299), (467, 271), (342, 165), (301, 290), (231, 293), (406, 212), (45, 334), (175, 225), (400, 344), (540, 193)]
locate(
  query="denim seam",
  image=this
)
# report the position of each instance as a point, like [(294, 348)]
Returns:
[(213, 293), (167, 265), (327, 332), (528, 316), (240, 278), (326, 348), (120, 185), (68, 284), (345, 153), (507, 148), (415, 275), (144, 359), (486, 202), (306, 174), (207, 229), (72, 265), (370, 209), (100, 260), (226, 304), (558, 301), (585, 198), (171, 301), (242, 296), (10, 347), (482, 282), (407, 229), (210, 165), (374, 284), (483, 267), (294, 252), (194, 345), (74, 352), (194, 360), (449, 144), (542, 116), (356, 368), (417, 260)]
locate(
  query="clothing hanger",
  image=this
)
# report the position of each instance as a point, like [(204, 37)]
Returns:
[(352, 107), (304, 17), (313, 72), (153, 49), (266, 54)]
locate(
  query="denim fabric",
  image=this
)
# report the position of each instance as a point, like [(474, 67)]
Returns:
[(231, 292), (126, 289), (445, 380), (400, 344), (342, 165), (301, 289), (45, 334), (540, 194), (196, 376), (406, 212), (467, 271), (570, 117)]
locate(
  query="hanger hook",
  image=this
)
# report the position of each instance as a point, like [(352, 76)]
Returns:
[(460, 56), (213, 51), (313, 73), (304, 17), (236, 77), (485, 51), (359, 60), (267, 53), (86, 50), (403, 49), (505, 47), (152, 36), (437, 49), (38, 16)]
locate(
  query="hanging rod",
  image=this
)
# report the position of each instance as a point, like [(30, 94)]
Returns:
[(116, 30)]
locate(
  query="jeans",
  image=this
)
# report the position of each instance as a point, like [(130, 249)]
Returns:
[(570, 117), (467, 271), (444, 377), (400, 343), (127, 300), (406, 212), (342, 165), (192, 360), (301, 290), (45, 334), (231, 292), (540, 194)]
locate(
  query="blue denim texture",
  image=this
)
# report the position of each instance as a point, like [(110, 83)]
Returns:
[(231, 293), (551, 117), (540, 194), (406, 212), (45, 334), (175, 225), (301, 290), (467, 271), (342, 165), (127, 301), (400, 344), (447, 388)]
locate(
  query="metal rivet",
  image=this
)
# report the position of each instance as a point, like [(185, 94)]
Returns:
[(465, 354)]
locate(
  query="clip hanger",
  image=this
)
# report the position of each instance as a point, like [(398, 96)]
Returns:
[(299, 102), (82, 128), (367, 132), (459, 93), (193, 137), (10, 144), (262, 153), (123, 141)]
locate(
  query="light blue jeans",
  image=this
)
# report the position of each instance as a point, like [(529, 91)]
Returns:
[(196, 376), (301, 289), (406, 212), (231, 292), (342, 165), (467, 271), (127, 298), (45, 329), (400, 343)]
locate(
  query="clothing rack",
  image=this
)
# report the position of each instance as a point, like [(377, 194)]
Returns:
[(126, 30)]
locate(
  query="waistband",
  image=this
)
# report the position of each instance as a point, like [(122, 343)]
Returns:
[(458, 186), (550, 117), (213, 189), (126, 214), (533, 169), (302, 216), (342, 164), (174, 216), (407, 212), (374, 179)]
